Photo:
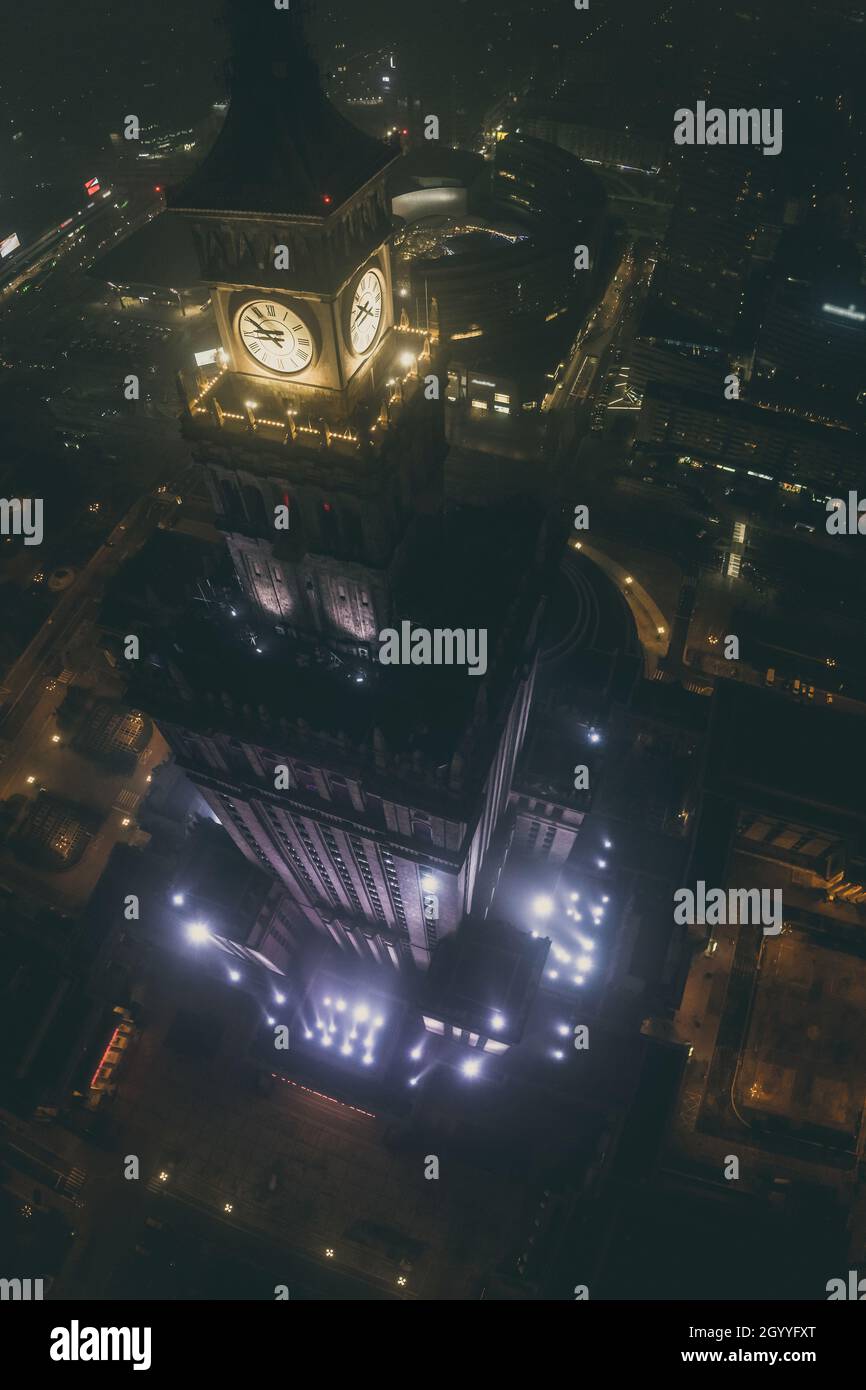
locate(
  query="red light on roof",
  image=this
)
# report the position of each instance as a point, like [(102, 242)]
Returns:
[(326, 197), (405, 132), (157, 188), (326, 506)]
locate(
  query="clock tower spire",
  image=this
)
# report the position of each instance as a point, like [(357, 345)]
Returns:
[(284, 148), (317, 409)]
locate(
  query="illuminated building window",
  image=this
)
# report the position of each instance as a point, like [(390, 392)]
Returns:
[(493, 1046), (306, 779), (479, 405), (503, 400), (339, 789), (433, 1025), (422, 829)]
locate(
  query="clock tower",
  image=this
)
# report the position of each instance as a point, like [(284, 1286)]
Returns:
[(319, 442), (377, 793)]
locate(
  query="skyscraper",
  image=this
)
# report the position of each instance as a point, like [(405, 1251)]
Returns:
[(376, 793)]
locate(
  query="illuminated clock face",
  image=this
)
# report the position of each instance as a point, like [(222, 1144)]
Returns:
[(273, 334), (366, 312)]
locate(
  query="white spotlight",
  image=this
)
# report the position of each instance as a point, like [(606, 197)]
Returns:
[(543, 905), (198, 932), (472, 1067)]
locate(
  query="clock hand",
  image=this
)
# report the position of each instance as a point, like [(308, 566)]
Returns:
[(275, 335), (362, 310)]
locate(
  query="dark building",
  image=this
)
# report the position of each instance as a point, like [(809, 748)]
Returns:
[(374, 793), (766, 443)]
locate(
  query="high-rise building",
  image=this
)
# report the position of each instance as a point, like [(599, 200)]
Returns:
[(376, 793)]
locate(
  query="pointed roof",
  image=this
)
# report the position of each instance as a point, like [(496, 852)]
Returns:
[(284, 148)]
